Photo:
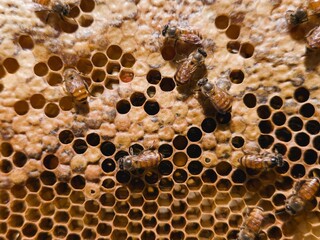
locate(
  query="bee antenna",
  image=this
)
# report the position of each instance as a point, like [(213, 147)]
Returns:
[(202, 52)]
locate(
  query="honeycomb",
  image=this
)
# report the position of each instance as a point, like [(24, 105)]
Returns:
[(58, 161)]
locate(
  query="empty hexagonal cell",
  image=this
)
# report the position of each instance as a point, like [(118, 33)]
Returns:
[(233, 31), (122, 207), (51, 110), (77, 196), (301, 94), (114, 52), (55, 63), (180, 176), (312, 127), (21, 107), (150, 193), (26, 42), (84, 66), (108, 183), (246, 50), (236, 76), (208, 190), (85, 20), (223, 185), (250, 100), (222, 198), (223, 168), (113, 68), (167, 84), (136, 185), (193, 213), (134, 228), (207, 205), (180, 191), (11, 65), (18, 191), (5, 166), (194, 198), (127, 60), (37, 101), (164, 214), (48, 178), (222, 22), (99, 59), (233, 47)]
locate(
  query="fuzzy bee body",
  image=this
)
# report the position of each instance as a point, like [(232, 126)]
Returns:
[(297, 17), (187, 69), (75, 85), (220, 98), (313, 38), (186, 35), (252, 224), (304, 191), (53, 6), (146, 159), (262, 161)]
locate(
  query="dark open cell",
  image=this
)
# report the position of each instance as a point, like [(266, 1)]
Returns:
[(295, 124), (19, 159), (276, 102), (98, 75), (176, 235), (265, 126), (264, 111), (136, 149), (283, 169), (99, 59), (114, 52), (265, 141), (307, 110), (6, 149), (51, 110), (274, 233), (29, 230), (127, 60), (279, 118), (233, 31), (40, 69), (233, 47), (208, 125), (165, 167), (153, 76), (237, 141), (108, 165), (80, 146), (280, 148), (294, 153), (312, 127), (151, 177), (223, 118), (37, 101), (11, 65), (50, 161), (250, 100), (26, 42), (78, 182), (60, 231), (223, 168), (166, 150), (55, 63), (167, 84), (180, 142), (302, 139), (283, 134), (301, 94), (137, 99), (48, 178), (66, 136), (120, 154), (84, 66), (236, 76), (21, 107), (222, 22), (195, 167), (123, 106), (5, 166), (310, 156), (239, 176), (93, 139), (180, 176), (246, 50), (194, 151), (107, 148), (123, 177), (209, 176), (316, 142), (73, 236), (151, 91), (66, 103), (151, 107), (194, 134), (298, 171)]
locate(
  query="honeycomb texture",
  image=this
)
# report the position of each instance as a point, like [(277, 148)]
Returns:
[(58, 162)]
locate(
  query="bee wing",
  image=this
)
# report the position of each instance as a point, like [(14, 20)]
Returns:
[(186, 71), (191, 38), (73, 85), (39, 7)]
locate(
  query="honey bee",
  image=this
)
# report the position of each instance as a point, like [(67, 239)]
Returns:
[(313, 38), (262, 161), (187, 69), (252, 224), (304, 191), (75, 85), (145, 159), (295, 18), (186, 35), (53, 7), (220, 98)]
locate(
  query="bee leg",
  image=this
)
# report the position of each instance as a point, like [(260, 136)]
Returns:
[(131, 151)]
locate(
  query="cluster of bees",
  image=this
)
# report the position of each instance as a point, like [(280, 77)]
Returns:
[(302, 15), (304, 191)]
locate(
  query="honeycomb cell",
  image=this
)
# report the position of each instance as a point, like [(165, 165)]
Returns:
[(85, 20), (167, 84), (312, 127), (301, 94), (93, 139), (113, 68), (108, 148), (302, 139), (33, 184), (78, 182), (265, 126), (151, 91), (307, 110), (18, 191), (112, 82), (107, 199), (73, 236), (11, 65), (98, 75), (99, 59), (279, 118), (180, 142), (46, 193), (62, 189), (126, 75), (208, 125), (195, 167), (207, 205), (87, 5), (26, 42), (149, 222), (310, 156), (279, 199), (194, 151), (5, 166), (108, 184), (208, 191), (263, 111), (15, 220), (114, 52), (123, 106), (295, 124), (84, 66), (66, 136), (96, 90), (236, 76), (13, 234), (250, 100), (88, 233), (276, 102), (223, 118), (233, 31), (316, 142), (209, 176), (298, 171), (80, 146), (194, 134), (120, 221), (180, 191), (37, 101), (153, 76), (274, 233), (294, 154), (223, 185), (163, 228), (233, 47), (134, 228), (246, 50), (48, 178), (32, 215), (60, 231), (66, 103), (150, 193), (21, 107), (194, 183), (151, 107), (150, 207), (194, 198), (237, 141), (223, 168), (222, 22), (123, 177), (4, 197), (51, 110), (127, 60), (265, 141), (55, 63)]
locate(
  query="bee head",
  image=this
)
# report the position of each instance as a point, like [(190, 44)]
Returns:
[(202, 52), (164, 30), (202, 82), (63, 9), (125, 163), (290, 210), (294, 205)]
